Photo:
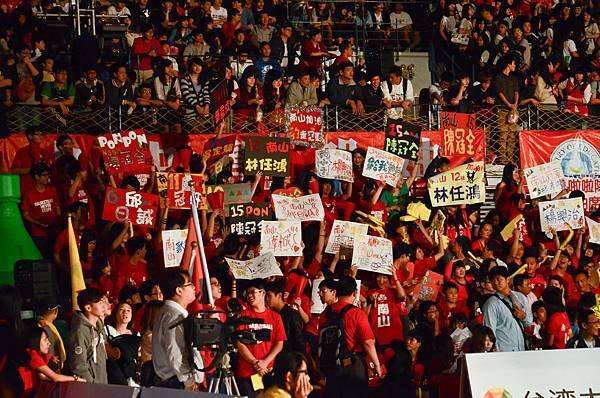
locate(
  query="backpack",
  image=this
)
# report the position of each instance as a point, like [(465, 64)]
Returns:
[(334, 353)]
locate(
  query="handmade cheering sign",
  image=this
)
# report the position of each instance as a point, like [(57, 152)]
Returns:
[(461, 140), (342, 233), (429, 287), (245, 218), (383, 166), (335, 164), (594, 230), (305, 125), (304, 208), (126, 152), (138, 207), (461, 185), (373, 254), (174, 190), (270, 155), (545, 179), (283, 238), (173, 246), (221, 107), (216, 148), (558, 213), (261, 267), (403, 139), (232, 193)]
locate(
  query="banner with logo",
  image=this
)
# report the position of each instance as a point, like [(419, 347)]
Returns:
[(271, 155), (303, 208), (383, 166), (175, 192), (461, 185), (126, 152), (138, 207), (372, 253), (342, 233), (545, 179), (263, 266), (245, 218), (282, 238), (335, 164), (305, 125), (558, 213), (403, 139), (173, 246)]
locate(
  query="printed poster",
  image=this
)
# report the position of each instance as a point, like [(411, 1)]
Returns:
[(334, 164), (138, 207), (282, 238), (262, 266), (461, 185), (342, 233), (545, 179), (173, 246), (126, 152), (383, 166), (303, 208), (372, 253), (557, 213)]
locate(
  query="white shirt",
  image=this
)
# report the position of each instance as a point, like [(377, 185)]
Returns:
[(112, 10), (397, 94), (398, 21), (216, 14), (169, 349)]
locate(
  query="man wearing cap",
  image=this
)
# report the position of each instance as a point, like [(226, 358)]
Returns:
[(47, 312), (501, 313)]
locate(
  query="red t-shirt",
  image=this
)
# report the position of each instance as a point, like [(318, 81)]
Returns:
[(260, 350), (446, 313), (131, 274), (82, 195), (26, 157), (422, 266), (41, 206), (384, 316), (29, 373), (559, 326), (538, 284), (357, 329)]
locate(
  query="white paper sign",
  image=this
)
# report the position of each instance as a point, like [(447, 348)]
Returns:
[(317, 306), (383, 166), (534, 374), (372, 253), (342, 233), (594, 230), (173, 246), (335, 164), (282, 238), (556, 213), (262, 267), (303, 208), (545, 179)]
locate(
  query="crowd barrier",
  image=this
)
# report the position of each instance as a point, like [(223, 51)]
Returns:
[(110, 119)]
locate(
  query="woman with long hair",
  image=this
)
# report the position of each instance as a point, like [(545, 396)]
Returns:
[(168, 90), (557, 328), (289, 377), (195, 92), (275, 95), (483, 340), (249, 99), (87, 252), (509, 185)]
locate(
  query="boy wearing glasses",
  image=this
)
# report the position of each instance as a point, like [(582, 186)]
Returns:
[(259, 357), (170, 356)]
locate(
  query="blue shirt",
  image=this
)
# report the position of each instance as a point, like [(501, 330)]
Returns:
[(498, 317)]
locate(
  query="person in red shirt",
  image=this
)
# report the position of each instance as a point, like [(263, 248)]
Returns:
[(134, 270), (449, 305), (384, 316), (313, 50), (422, 263), (456, 272), (557, 328), (370, 202), (259, 357), (76, 191), (41, 208), (536, 279), (29, 155), (143, 51)]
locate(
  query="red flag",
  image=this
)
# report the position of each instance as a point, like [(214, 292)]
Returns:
[(191, 259)]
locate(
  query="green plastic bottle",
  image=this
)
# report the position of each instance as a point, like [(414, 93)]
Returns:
[(15, 242)]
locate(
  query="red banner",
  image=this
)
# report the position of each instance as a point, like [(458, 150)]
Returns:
[(457, 145), (126, 152), (215, 149), (137, 207)]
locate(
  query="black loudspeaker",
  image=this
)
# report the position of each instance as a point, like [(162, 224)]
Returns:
[(35, 279)]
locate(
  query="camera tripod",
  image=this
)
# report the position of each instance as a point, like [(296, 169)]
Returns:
[(224, 375)]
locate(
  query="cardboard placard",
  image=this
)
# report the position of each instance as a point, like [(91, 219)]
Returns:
[(556, 213), (594, 230), (303, 208), (335, 164), (220, 102), (175, 193), (270, 155), (173, 246), (383, 166), (305, 125), (138, 207), (246, 217), (461, 185), (545, 179), (262, 266), (218, 148), (282, 238), (403, 139), (126, 152), (429, 287), (372, 253), (342, 233), (232, 193)]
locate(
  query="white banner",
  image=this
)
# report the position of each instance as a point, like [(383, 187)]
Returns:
[(383, 166), (282, 238), (594, 230), (262, 267), (173, 246), (372, 253), (557, 213), (545, 179), (342, 233), (335, 164), (303, 208)]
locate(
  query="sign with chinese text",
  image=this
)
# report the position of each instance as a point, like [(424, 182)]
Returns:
[(303, 208), (383, 166), (270, 155), (545, 179), (372, 253), (173, 246), (262, 266), (534, 374), (334, 164), (174, 188), (126, 152), (460, 138), (403, 139), (557, 213), (594, 230), (246, 217), (219, 102), (282, 238), (461, 185), (217, 148), (429, 287), (342, 233), (138, 207), (305, 125)]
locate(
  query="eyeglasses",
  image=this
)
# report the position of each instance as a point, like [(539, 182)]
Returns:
[(186, 285), (254, 292)]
